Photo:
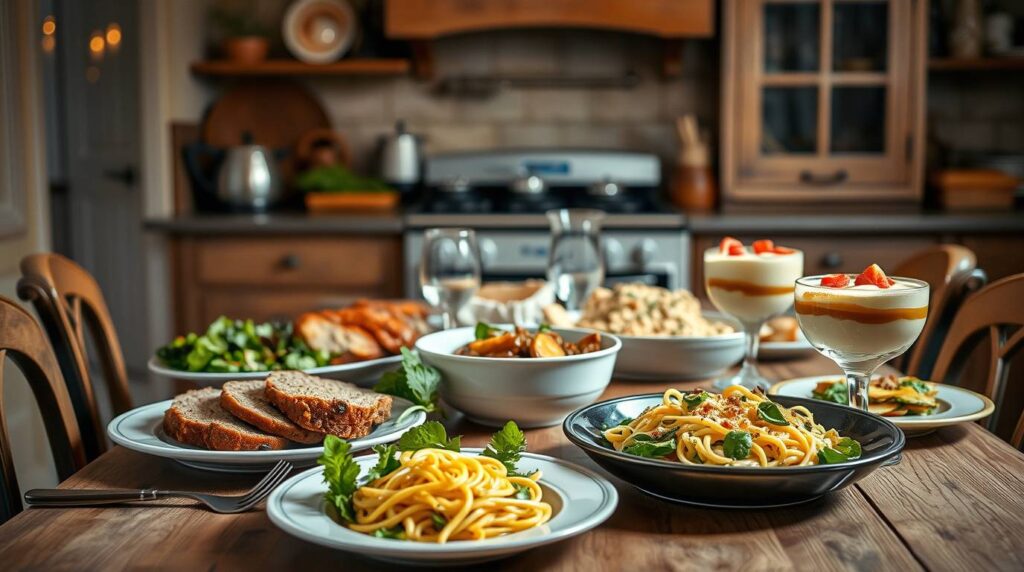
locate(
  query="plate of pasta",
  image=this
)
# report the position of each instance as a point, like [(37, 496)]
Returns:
[(735, 449), (427, 500)]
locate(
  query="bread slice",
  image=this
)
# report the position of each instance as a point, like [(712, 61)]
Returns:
[(196, 418), (246, 401), (327, 405)]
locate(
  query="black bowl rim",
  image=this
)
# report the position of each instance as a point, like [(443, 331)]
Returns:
[(899, 440)]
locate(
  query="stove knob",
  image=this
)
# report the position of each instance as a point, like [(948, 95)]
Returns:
[(488, 252), (644, 252), (614, 254)]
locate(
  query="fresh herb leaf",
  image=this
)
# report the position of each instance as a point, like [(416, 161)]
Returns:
[(770, 412), (737, 444), (836, 393), (439, 521), (642, 437), (829, 456), (522, 492), (651, 449), (692, 400), (430, 435), (483, 331), (340, 473), (396, 532), (849, 447), (918, 385), (545, 327), (415, 381), (387, 462), (507, 446)]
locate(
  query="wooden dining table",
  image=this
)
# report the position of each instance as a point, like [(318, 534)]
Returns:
[(954, 502)]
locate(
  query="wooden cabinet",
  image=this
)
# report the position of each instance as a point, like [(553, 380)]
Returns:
[(823, 100), (278, 277)]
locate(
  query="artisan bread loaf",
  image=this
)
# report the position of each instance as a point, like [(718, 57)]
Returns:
[(327, 405), (246, 400), (197, 418)]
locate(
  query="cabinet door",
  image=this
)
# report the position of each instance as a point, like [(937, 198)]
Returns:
[(820, 99)]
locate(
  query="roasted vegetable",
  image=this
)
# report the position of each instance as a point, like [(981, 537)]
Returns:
[(491, 341)]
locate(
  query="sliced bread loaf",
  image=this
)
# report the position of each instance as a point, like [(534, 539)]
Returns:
[(327, 405), (196, 418), (247, 401)]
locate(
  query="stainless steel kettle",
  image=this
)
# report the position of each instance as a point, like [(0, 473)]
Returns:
[(247, 178), (400, 158)]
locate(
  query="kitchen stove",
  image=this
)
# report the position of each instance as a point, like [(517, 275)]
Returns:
[(503, 195)]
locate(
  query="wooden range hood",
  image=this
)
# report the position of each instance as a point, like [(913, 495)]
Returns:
[(420, 21)]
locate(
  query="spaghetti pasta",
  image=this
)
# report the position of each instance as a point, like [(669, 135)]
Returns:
[(737, 428), (437, 495)]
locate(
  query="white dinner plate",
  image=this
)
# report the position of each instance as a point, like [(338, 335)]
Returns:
[(364, 373), (142, 430), (581, 500), (956, 405), (785, 350)]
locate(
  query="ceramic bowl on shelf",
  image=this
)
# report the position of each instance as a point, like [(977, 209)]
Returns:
[(533, 392)]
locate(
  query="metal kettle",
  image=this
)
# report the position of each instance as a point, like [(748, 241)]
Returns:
[(247, 175), (400, 158)]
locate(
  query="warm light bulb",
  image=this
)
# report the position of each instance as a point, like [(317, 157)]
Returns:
[(49, 25), (113, 34), (96, 44)]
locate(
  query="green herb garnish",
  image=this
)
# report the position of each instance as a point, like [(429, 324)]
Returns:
[(340, 473), (507, 446), (430, 435), (770, 412), (692, 400), (650, 449), (737, 444), (396, 532), (438, 521), (846, 449), (483, 331), (415, 381), (918, 385), (387, 462), (836, 393)]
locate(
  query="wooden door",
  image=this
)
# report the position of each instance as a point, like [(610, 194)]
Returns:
[(822, 100), (99, 77)]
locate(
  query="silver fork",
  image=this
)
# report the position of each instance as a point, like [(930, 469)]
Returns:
[(217, 503)]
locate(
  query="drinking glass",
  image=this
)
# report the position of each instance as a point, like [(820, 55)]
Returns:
[(750, 288), (861, 328), (449, 270), (575, 264)]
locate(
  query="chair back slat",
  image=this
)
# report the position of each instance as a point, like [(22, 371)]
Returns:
[(952, 274), (70, 303), (23, 342), (994, 314)]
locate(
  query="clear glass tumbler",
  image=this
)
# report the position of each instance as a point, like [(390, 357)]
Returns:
[(449, 270), (575, 263)]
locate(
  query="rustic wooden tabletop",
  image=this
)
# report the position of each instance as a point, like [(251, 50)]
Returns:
[(955, 502)]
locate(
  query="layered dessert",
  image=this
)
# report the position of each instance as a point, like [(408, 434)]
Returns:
[(861, 317), (751, 284)]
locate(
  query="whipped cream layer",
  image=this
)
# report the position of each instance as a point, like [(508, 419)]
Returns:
[(751, 287)]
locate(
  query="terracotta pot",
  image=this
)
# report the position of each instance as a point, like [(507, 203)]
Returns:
[(246, 49)]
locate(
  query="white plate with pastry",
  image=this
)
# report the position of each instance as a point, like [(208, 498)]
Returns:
[(196, 430), (781, 338)]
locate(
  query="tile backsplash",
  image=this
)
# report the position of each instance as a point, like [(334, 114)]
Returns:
[(639, 118), (977, 112)]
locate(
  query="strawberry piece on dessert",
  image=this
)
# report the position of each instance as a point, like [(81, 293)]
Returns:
[(783, 250), (873, 275), (835, 281), (729, 246), (762, 246)]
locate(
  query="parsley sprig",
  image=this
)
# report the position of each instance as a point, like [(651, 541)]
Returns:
[(415, 381)]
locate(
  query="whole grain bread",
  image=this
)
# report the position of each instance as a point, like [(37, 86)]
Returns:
[(246, 400), (197, 418), (327, 405)]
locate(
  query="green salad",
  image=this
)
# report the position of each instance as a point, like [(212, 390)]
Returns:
[(233, 346)]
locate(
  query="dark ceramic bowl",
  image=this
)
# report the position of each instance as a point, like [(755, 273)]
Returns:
[(736, 487)]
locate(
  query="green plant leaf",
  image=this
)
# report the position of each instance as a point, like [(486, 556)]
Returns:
[(340, 473), (430, 435), (507, 445), (737, 444), (770, 412)]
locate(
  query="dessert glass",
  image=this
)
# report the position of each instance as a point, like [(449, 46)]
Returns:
[(750, 288), (861, 327)]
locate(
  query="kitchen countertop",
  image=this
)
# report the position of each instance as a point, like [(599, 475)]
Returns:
[(711, 223)]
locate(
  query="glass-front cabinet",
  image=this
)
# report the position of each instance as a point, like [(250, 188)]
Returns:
[(823, 100)]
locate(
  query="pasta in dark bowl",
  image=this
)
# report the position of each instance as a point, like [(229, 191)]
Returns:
[(688, 457)]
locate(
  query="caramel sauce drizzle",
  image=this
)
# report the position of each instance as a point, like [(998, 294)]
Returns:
[(748, 288), (854, 312)]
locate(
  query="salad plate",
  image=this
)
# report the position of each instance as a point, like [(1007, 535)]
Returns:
[(363, 373), (581, 499), (141, 429), (956, 405)]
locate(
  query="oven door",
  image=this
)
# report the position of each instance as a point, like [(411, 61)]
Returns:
[(664, 276)]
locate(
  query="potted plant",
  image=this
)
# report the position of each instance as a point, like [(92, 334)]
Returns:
[(244, 36)]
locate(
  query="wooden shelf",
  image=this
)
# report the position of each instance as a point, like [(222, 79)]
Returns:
[(352, 67), (976, 64)]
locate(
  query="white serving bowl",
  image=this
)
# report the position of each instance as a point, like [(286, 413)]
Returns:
[(533, 392), (679, 357)]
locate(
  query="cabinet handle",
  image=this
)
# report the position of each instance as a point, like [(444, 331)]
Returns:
[(291, 261), (832, 260), (809, 178)]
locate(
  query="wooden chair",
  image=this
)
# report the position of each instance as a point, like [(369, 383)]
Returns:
[(951, 271), (995, 313), (24, 343), (69, 302)]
